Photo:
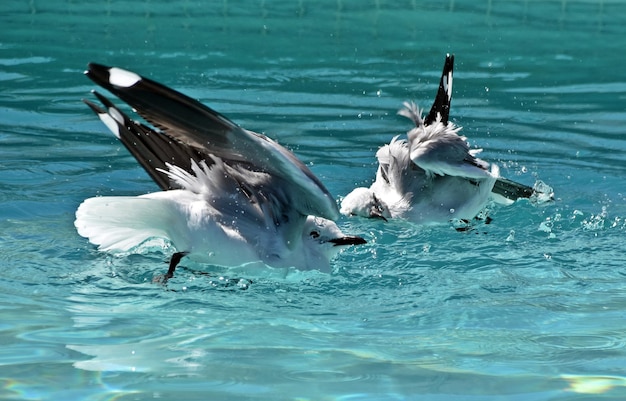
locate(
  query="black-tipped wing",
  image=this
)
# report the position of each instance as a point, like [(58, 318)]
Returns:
[(151, 148), (441, 105), (168, 110), (511, 189), (196, 130), (503, 187)]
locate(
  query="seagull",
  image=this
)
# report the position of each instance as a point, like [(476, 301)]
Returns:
[(228, 196), (432, 176)]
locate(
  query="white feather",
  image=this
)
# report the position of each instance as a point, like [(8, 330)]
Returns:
[(430, 177), (122, 223)]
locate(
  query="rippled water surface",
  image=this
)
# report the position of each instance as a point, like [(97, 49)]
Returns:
[(529, 307)]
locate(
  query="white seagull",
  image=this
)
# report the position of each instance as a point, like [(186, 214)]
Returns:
[(230, 196), (432, 176)]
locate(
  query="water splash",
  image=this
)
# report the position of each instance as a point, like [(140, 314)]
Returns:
[(547, 226), (542, 193), (595, 222)]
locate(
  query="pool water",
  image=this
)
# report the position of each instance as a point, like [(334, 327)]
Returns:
[(529, 307)]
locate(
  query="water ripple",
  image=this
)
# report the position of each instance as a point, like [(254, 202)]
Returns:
[(581, 342)]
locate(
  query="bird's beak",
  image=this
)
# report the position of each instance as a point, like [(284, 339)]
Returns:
[(376, 213), (348, 240)]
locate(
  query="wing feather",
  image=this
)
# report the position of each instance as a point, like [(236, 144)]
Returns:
[(202, 131)]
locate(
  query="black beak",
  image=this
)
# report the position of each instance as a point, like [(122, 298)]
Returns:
[(349, 240), (375, 213)]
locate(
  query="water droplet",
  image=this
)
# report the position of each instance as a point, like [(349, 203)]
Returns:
[(546, 226), (511, 236)]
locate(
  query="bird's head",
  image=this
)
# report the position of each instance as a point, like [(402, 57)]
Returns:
[(323, 239), (363, 202)]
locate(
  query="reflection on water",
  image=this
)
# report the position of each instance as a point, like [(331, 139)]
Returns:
[(594, 384)]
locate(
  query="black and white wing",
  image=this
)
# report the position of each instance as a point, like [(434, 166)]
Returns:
[(189, 130), (441, 105), (151, 148), (458, 149), (434, 143)]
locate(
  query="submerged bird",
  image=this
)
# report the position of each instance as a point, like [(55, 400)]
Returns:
[(432, 176), (230, 196)]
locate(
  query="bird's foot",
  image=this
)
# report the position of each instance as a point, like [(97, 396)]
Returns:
[(162, 278)]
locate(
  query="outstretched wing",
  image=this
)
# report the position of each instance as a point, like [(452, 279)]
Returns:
[(151, 148), (190, 130)]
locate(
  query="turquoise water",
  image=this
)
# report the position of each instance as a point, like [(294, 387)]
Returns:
[(529, 307)]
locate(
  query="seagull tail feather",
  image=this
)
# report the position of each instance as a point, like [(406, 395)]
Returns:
[(119, 224)]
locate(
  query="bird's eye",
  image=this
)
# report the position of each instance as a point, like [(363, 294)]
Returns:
[(314, 234)]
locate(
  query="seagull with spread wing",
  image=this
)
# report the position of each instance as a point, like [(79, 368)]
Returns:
[(229, 196)]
